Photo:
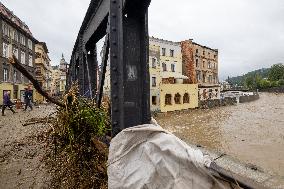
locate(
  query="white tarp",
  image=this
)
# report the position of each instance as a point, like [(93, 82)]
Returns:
[(149, 157)]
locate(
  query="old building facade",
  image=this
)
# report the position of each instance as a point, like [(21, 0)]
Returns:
[(63, 67), (169, 91), (200, 64), (42, 63), (15, 38), (55, 81)]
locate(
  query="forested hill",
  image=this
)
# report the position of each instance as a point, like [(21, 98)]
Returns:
[(239, 80)]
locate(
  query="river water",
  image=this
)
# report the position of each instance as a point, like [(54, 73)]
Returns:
[(251, 132)]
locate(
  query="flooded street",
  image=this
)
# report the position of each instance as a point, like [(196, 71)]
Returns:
[(251, 132)]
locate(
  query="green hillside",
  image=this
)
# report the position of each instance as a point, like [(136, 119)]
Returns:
[(260, 79)]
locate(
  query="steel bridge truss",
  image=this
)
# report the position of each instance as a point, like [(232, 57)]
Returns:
[(124, 24)]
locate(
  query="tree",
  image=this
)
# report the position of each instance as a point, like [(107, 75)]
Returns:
[(276, 72)]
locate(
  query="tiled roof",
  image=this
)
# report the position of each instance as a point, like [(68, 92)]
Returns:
[(14, 19)]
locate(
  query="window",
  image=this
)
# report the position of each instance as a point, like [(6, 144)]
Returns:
[(163, 52), (172, 53), (16, 36), (5, 29), (15, 76), (196, 62), (5, 50), (210, 78), (186, 98), (203, 52), (30, 60), (209, 54), (15, 52), (204, 78), (22, 78), (164, 65), (173, 67), (203, 63), (154, 84), (196, 51), (30, 44), (177, 98), (22, 39), (154, 100), (168, 99), (198, 75), (5, 74), (23, 57), (153, 62), (209, 65), (215, 56)]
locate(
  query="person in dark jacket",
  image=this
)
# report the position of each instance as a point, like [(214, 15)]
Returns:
[(28, 98), (7, 103)]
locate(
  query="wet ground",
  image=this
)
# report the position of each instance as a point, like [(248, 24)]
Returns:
[(22, 149), (251, 132)]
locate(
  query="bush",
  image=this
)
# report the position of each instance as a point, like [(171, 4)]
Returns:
[(281, 82), (78, 158), (264, 84)]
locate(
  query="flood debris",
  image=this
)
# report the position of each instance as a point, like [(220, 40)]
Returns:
[(77, 158), (75, 155)]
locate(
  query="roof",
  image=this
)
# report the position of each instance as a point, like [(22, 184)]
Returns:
[(9, 15), (43, 44)]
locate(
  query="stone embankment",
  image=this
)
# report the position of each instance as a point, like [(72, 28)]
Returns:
[(248, 98), (217, 102)]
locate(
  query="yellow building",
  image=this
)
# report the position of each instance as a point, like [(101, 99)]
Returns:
[(178, 97), (55, 81), (42, 63), (166, 79), (168, 91)]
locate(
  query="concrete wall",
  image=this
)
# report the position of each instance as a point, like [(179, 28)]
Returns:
[(173, 89), (249, 98), (209, 93)]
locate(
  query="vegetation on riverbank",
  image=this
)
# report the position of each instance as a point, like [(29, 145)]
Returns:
[(262, 79)]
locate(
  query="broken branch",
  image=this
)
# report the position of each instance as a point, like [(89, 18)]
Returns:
[(16, 64)]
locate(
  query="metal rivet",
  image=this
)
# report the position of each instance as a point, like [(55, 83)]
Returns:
[(113, 15), (115, 96), (113, 29), (114, 42), (115, 109), (115, 123), (115, 82), (114, 56), (114, 68)]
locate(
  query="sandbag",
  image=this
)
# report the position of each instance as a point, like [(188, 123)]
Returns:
[(149, 157)]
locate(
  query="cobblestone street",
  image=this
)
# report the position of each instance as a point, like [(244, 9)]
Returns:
[(22, 149)]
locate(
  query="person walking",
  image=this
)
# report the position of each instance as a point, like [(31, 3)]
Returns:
[(28, 97), (7, 103)]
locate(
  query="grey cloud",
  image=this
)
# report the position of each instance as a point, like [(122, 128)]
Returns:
[(248, 33)]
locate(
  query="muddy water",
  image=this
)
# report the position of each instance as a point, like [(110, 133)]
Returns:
[(251, 132)]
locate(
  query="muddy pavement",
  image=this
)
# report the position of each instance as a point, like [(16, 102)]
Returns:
[(251, 132), (22, 149)]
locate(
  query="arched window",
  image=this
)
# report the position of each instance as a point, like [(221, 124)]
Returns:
[(186, 98), (168, 99), (177, 98)]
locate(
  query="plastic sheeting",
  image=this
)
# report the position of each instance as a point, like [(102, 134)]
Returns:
[(149, 157)]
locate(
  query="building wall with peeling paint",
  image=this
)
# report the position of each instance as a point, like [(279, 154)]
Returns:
[(181, 89)]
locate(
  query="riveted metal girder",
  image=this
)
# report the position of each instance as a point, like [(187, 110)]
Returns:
[(125, 23)]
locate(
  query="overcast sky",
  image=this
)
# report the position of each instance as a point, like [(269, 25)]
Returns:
[(248, 33)]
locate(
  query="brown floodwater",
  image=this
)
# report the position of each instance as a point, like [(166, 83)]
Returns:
[(251, 132)]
